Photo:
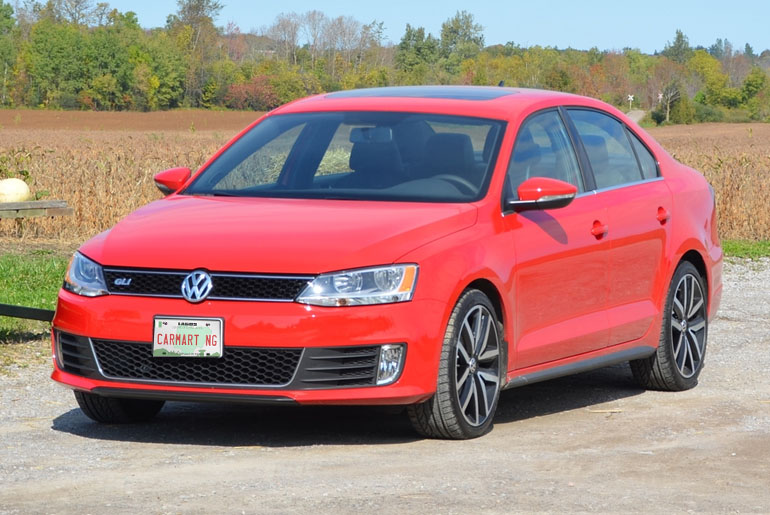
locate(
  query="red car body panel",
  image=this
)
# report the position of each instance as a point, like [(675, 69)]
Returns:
[(259, 234), (565, 295)]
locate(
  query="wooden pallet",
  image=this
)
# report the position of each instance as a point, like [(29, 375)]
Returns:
[(34, 208)]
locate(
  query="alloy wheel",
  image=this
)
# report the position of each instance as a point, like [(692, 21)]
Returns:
[(688, 325), (477, 366)]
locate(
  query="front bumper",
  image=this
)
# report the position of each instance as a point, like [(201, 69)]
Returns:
[(102, 345)]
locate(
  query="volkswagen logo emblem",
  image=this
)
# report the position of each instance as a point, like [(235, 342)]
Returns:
[(196, 286)]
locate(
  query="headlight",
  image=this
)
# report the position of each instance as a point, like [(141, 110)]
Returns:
[(85, 277), (378, 285)]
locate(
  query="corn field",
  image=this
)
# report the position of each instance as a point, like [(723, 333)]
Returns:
[(105, 174)]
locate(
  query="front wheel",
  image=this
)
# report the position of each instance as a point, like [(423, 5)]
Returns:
[(470, 371), (678, 361)]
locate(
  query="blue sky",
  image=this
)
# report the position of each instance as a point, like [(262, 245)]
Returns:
[(608, 25)]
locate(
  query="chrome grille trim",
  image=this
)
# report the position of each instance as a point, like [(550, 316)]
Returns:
[(227, 286)]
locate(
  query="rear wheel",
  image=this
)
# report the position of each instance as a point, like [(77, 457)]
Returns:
[(469, 376), (113, 410), (678, 361)]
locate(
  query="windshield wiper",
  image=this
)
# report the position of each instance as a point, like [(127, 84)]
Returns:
[(217, 194)]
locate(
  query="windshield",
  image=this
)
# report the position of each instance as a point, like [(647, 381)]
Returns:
[(358, 156)]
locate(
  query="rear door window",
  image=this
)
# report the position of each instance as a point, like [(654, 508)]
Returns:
[(609, 151), (646, 160)]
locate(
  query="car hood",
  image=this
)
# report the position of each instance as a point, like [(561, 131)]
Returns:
[(302, 236)]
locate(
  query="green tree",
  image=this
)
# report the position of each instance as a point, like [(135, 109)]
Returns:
[(108, 53), (718, 48), (159, 76), (679, 51), (55, 62), (683, 110), (754, 83), (7, 49), (193, 29), (461, 33), (715, 90), (461, 38), (416, 48)]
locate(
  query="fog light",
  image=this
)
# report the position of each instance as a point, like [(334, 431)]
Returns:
[(391, 362)]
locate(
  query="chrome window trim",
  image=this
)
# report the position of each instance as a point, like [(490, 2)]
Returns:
[(627, 184)]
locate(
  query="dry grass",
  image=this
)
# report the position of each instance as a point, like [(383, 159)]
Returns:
[(105, 174), (735, 158)]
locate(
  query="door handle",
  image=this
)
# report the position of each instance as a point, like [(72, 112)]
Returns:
[(599, 229), (663, 215)]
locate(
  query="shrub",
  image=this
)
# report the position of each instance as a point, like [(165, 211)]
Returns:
[(707, 113), (258, 94)]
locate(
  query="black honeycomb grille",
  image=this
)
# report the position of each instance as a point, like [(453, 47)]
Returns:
[(238, 365), (339, 367), (145, 283), (239, 287), (226, 286)]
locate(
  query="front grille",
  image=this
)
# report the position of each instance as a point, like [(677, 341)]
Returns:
[(316, 368), (226, 286), (238, 366)]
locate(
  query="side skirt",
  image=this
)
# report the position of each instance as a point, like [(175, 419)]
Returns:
[(581, 366)]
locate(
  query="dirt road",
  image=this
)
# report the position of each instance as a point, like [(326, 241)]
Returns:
[(590, 443)]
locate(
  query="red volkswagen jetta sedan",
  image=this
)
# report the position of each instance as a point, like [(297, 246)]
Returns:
[(417, 246)]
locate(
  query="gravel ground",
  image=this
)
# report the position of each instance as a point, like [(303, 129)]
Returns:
[(588, 443)]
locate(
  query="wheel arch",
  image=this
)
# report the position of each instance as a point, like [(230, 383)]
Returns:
[(695, 258), (486, 287)]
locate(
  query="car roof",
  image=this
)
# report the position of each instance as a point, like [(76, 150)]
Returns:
[(479, 101)]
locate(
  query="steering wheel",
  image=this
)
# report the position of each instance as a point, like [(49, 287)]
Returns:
[(456, 180)]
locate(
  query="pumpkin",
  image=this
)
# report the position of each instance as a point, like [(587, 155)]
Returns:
[(13, 190)]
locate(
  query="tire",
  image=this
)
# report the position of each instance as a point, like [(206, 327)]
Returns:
[(113, 410), (473, 356), (678, 361)]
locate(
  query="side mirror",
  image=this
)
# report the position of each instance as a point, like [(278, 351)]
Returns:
[(172, 179), (542, 193)]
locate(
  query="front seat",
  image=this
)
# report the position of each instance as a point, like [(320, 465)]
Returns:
[(374, 165), (448, 153)]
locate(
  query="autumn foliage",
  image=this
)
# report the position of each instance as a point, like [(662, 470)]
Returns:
[(85, 55)]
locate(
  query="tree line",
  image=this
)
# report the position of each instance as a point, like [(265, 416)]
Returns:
[(79, 54)]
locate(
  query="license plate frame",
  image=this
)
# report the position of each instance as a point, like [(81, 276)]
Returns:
[(187, 337)]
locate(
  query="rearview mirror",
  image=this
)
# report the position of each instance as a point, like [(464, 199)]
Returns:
[(371, 135), (542, 193), (172, 179)]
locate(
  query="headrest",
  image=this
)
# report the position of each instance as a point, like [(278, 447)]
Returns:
[(596, 148), (450, 153), (375, 158)]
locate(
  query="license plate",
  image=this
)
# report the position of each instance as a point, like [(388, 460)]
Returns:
[(187, 337)]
